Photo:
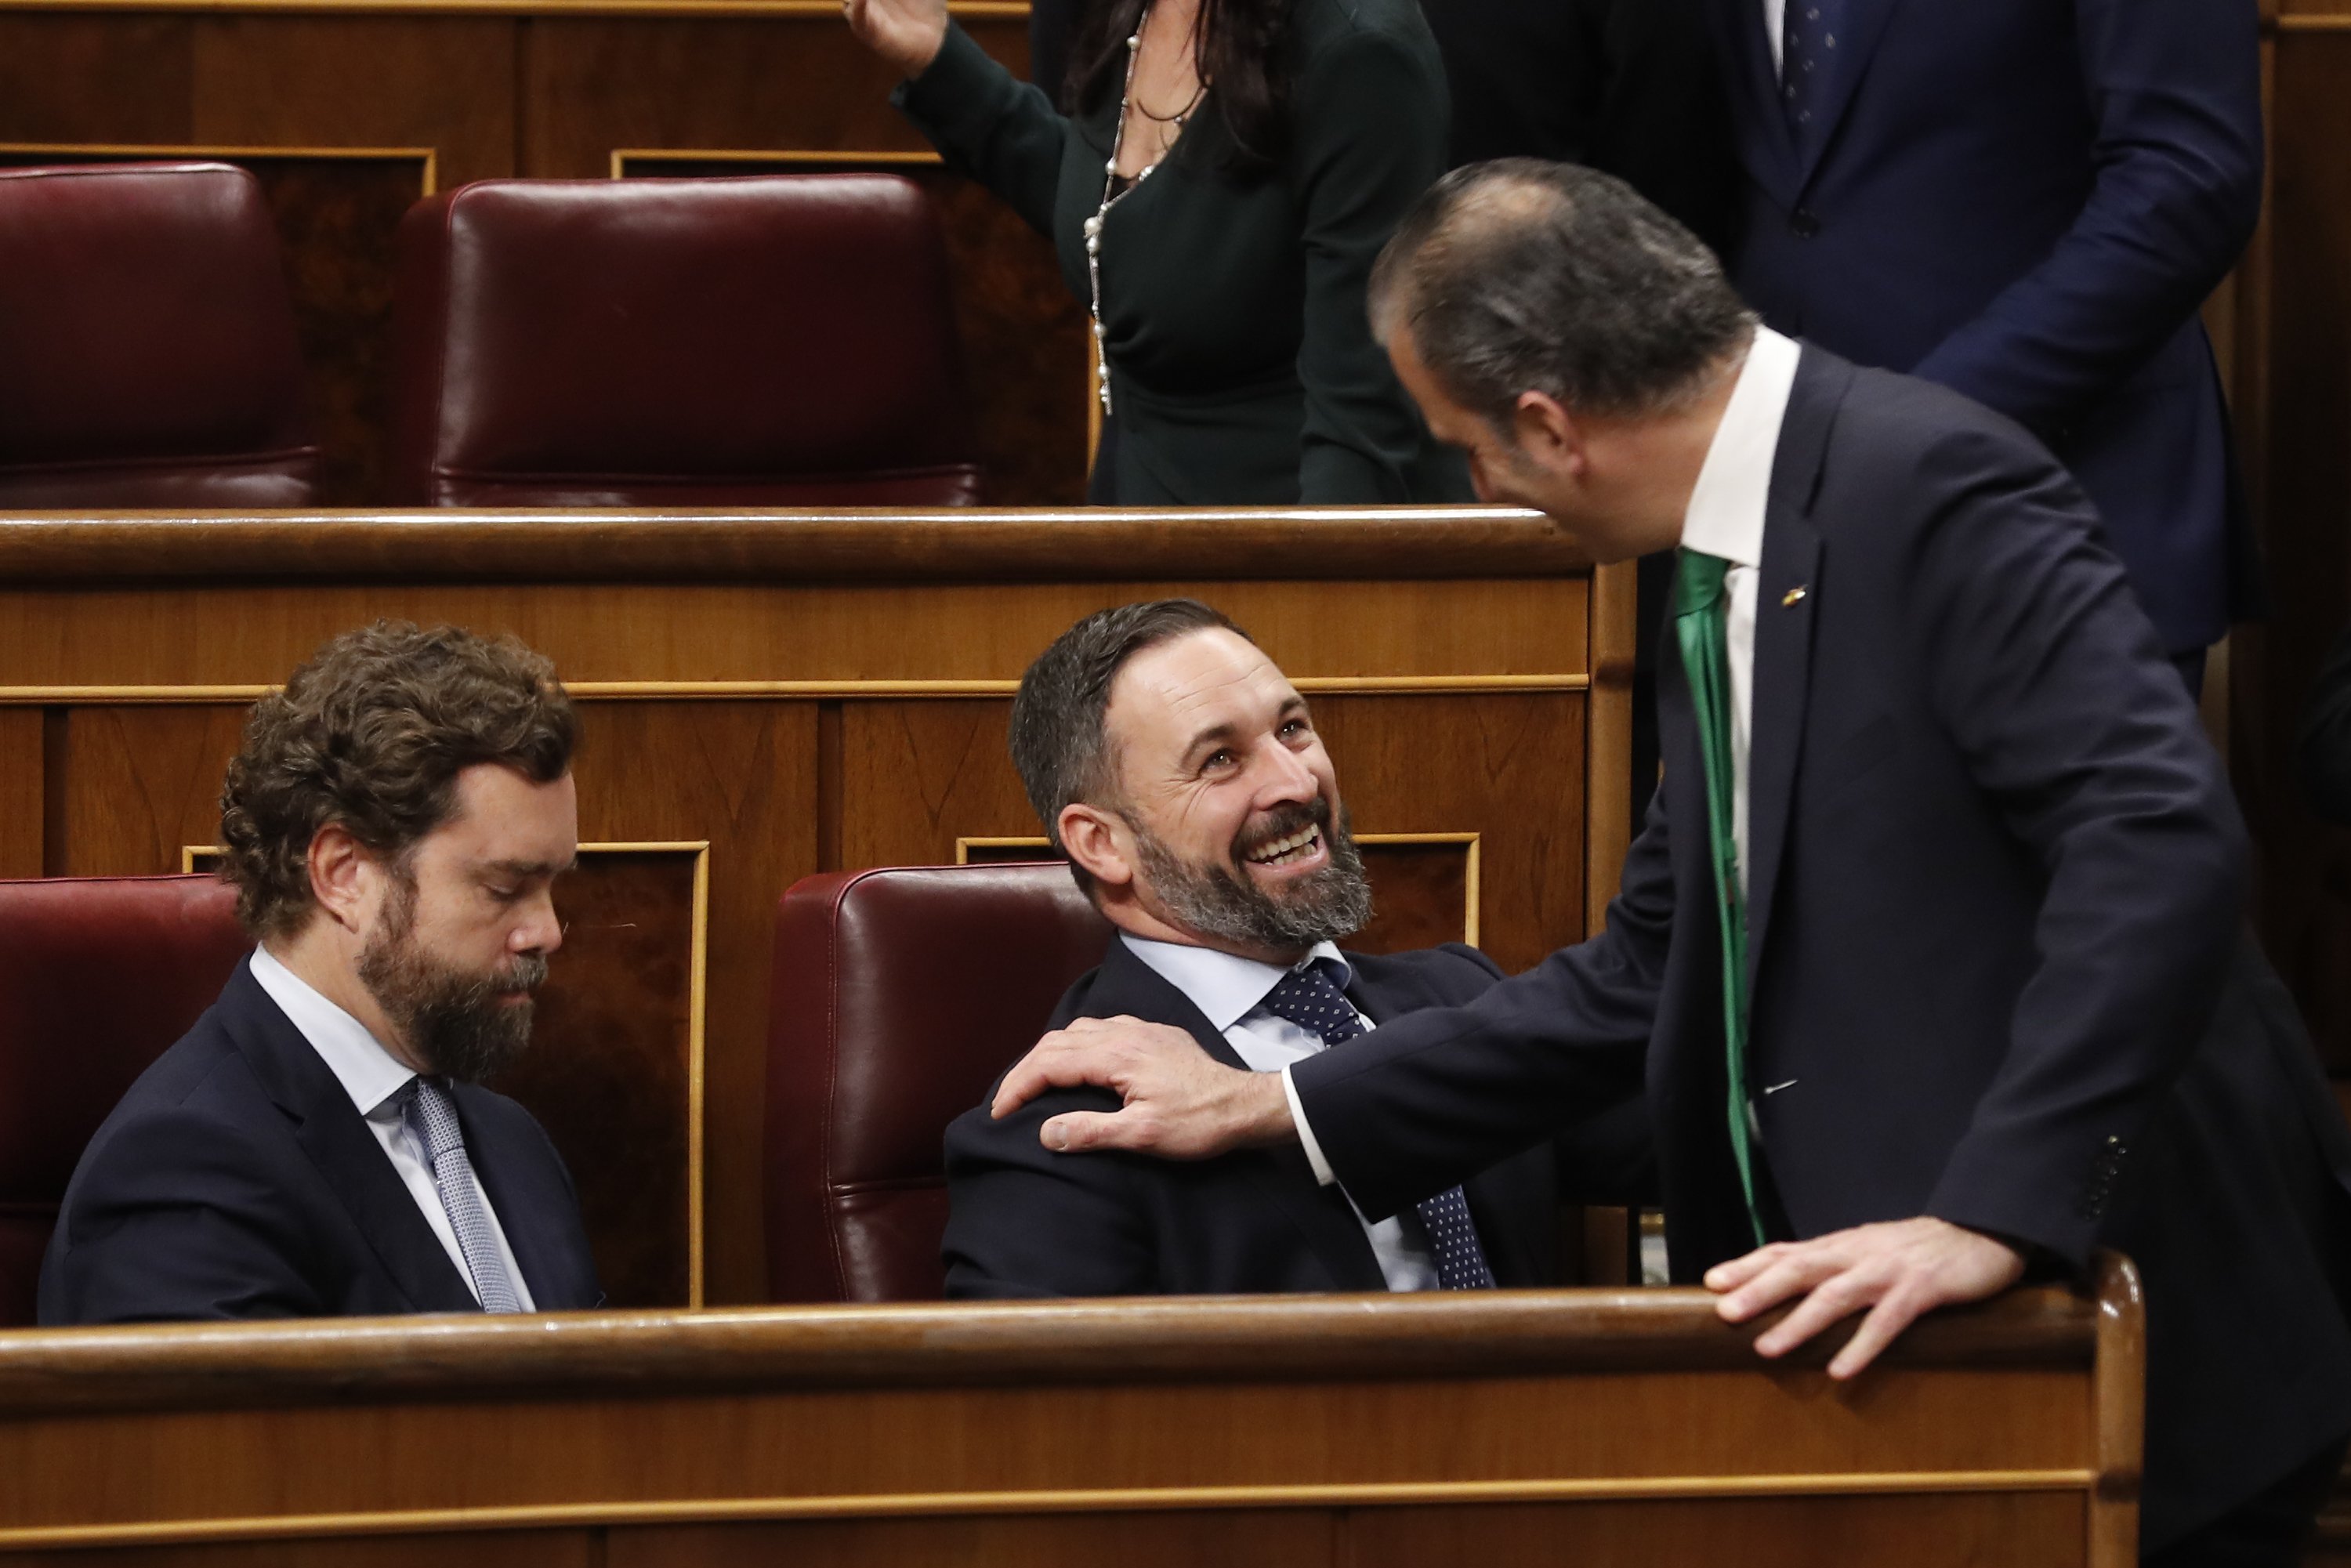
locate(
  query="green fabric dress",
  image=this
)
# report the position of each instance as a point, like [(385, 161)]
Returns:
[(1242, 368)]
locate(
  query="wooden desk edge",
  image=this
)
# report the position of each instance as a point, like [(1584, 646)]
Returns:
[(955, 545), (1269, 1339)]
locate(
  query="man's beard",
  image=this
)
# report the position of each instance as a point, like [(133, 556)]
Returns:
[(1226, 902), (452, 1020)]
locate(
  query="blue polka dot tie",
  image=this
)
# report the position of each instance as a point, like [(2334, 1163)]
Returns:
[(1811, 40), (1312, 1000), (431, 1118)]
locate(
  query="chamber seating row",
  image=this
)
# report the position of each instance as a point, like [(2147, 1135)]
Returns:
[(780, 340), (901, 993)]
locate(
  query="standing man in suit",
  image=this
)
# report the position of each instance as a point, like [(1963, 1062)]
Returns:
[(1182, 776), (1931, 942), (318, 1144), (2025, 201)]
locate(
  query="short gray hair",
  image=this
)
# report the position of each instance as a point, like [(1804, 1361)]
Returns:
[(1060, 743), (1521, 275)]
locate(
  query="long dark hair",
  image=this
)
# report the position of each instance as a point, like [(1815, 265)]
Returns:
[(1240, 46)]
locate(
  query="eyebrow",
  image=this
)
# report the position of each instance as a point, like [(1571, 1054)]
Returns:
[(1219, 734), (529, 868)]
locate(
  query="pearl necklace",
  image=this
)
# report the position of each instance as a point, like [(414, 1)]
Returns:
[(1111, 197)]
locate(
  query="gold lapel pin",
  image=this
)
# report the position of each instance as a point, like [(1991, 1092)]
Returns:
[(1788, 602)]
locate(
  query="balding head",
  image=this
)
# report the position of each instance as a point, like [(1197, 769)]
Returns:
[(1521, 275)]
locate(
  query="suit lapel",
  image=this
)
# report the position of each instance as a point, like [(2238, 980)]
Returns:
[(338, 1141), (1864, 26), (1283, 1174), (1769, 154), (1785, 617)]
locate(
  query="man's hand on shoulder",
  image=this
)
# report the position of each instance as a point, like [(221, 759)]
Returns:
[(1898, 1270), (1180, 1103)]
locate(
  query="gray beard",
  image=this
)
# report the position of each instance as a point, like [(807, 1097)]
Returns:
[(452, 1020), (1219, 901)]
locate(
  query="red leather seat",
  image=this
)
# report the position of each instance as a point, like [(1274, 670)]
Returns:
[(97, 977), (782, 340), (146, 347), (899, 996)]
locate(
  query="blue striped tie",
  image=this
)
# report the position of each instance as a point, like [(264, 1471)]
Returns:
[(1310, 998), (431, 1118)]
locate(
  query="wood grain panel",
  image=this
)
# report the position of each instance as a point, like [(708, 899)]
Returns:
[(1411, 764), (23, 794), (1948, 1532), (591, 85), (482, 1549), (1022, 332), (2305, 876), (392, 81), (140, 784), (741, 776), (759, 632), (67, 77), (1277, 1539), (915, 777)]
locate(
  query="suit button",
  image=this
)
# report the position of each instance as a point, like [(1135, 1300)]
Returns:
[(1803, 224)]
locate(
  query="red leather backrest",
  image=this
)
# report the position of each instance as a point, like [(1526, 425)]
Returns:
[(146, 347), (900, 996), (773, 340), (97, 977)]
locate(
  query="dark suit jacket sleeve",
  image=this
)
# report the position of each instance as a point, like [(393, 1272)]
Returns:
[(1026, 1221), (173, 1219), (2325, 742), (986, 124), (2047, 675), (2175, 93), (1427, 1100), (1368, 134)]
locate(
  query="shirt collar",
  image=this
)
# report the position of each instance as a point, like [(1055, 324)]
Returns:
[(1225, 987), (1725, 518), (369, 1074)]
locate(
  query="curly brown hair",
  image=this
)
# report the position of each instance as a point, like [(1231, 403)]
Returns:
[(369, 735)]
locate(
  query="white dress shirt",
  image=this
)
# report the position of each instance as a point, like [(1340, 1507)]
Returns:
[(1775, 30), (1725, 518), (373, 1078), (1229, 991)]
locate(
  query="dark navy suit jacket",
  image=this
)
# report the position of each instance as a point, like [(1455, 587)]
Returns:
[(236, 1180), (2027, 201), (1025, 1221), (1997, 974)]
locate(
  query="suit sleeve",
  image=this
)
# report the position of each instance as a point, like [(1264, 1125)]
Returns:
[(170, 1220), (1427, 1100), (1025, 1221), (2175, 92), (2325, 746), (1369, 138), (988, 126), (2046, 672)]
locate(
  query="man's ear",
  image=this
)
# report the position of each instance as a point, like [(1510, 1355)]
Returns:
[(1097, 840), (1546, 432), (344, 877)]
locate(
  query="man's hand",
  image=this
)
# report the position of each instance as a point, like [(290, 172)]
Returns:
[(1898, 1270), (1181, 1103)]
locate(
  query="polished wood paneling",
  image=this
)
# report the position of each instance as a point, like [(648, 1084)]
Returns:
[(811, 693), (1004, 1432)]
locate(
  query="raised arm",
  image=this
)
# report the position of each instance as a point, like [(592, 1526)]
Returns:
[(988, 126)]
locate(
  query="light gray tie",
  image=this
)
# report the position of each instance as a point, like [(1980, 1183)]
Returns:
[(431, 1118)]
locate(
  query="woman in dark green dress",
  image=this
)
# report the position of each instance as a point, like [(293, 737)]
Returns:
[(1238, 164)]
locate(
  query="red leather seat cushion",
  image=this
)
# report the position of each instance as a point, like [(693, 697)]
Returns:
[(899, 996), (777, 340), (98, 978), (146, 347)]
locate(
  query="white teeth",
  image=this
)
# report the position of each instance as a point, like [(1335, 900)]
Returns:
[(1281, 849)]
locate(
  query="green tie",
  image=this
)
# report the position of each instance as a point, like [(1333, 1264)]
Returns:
[(1699, 606)]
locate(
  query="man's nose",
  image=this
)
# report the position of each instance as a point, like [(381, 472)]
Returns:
[(1286, 777), (541, 931)]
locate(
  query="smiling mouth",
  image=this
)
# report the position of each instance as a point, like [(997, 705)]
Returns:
[(1286, 850)]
